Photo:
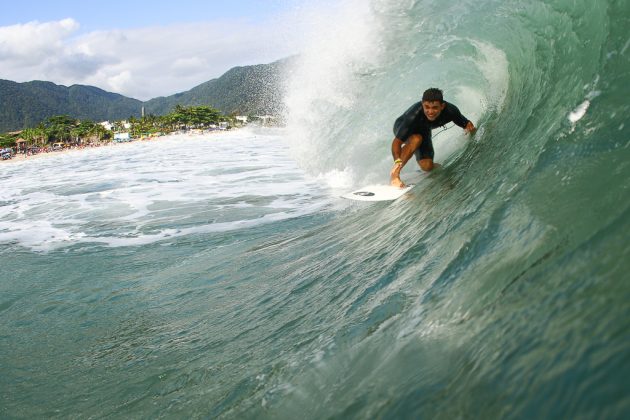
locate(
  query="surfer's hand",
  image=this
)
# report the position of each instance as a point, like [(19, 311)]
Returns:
[(470, 128)]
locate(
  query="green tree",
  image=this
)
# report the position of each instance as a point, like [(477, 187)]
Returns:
[(35, 135), (118, 127), (60, 127), (195, 116), (101, 133), (6, 141), (29, 135), (86, 130)]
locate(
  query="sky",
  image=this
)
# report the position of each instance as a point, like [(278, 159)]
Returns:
[(143, 49)]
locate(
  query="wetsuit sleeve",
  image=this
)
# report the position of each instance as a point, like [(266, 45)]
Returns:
[(456, 116), (404, 124)]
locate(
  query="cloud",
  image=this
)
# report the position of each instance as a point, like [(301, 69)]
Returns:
[(189, 65), (33, 43), (141, 63), (120, 82)]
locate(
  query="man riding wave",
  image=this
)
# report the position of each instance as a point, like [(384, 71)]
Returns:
[(412, 131)]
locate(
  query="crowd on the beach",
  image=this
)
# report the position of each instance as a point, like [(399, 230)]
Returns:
[(23, 153), (8, 152)]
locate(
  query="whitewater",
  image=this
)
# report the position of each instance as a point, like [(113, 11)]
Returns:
[(222, 276)]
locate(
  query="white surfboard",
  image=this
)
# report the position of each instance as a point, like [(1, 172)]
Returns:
[(377, 193)]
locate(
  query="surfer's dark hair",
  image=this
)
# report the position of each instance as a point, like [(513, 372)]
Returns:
[(432, 94)]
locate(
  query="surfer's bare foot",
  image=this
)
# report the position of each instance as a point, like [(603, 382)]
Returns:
[(397, 183), (394, 177)]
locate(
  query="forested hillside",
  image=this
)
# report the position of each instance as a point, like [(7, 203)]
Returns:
[(245, 90), (24, 105)]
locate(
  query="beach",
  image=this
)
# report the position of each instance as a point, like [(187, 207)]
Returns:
[(19, 157)]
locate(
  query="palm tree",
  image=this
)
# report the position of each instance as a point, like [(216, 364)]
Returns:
[(28, 134), (118, 127), (40, 135), (100, 132), (60, 127)]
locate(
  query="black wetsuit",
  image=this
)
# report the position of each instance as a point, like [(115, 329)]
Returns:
[(413, 121)]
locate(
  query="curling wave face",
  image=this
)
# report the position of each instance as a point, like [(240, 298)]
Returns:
[(497, 288)]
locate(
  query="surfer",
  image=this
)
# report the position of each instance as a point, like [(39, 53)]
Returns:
[(412, 131)]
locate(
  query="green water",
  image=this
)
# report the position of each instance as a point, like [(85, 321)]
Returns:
[(496, 289)]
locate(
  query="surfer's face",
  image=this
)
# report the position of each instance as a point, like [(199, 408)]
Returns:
[(432, 109)]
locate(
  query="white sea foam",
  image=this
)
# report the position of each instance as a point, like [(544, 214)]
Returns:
[(145, 192), (578, 113)]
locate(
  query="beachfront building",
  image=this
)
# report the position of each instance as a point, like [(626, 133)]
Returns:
[(241, 118), (21, 145), (122, 137)]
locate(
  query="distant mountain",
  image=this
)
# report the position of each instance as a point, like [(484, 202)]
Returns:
[(27, 104), (242, 90)]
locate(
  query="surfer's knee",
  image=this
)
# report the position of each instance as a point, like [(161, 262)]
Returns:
[(426, 164)]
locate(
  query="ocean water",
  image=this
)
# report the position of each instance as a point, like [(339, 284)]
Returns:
[(223, 277)]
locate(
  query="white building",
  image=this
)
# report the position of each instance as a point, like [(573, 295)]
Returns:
[(122, 136)]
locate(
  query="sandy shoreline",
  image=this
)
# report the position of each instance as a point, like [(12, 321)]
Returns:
[(22, 157)]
